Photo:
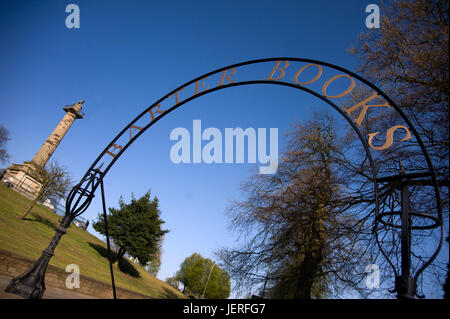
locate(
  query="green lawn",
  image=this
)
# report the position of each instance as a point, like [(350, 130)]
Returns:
[(29, 237)]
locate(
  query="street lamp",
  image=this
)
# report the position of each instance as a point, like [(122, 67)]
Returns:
[(31, 284), (206, 285)]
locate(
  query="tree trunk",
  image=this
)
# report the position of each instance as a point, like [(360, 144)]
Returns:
[(312, 259), (307, 275), (38, 198), (120, 255), (29, 209)]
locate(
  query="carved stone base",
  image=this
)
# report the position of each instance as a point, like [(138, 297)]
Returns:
[(20, 178)]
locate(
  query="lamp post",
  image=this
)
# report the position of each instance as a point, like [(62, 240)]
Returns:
[(209, 276), (31, 284)]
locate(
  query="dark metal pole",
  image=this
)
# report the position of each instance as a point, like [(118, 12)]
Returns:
[(31, 284), (405, 284), (107, 238)]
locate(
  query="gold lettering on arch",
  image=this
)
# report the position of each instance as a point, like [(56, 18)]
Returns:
[(176, 95), (275, 69), (319, 73), (224, 75), (365, 107), (158, 111), (334, 78), (389, 137), (197, 86), (115, 147), (136, 128)]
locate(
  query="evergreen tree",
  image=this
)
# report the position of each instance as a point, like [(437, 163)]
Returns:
[(135, 228), (203, 278)]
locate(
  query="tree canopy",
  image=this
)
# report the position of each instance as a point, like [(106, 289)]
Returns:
[(408, 58), (203, 278), (135, 227), (300, 228)]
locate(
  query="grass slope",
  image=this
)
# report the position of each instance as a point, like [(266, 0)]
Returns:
[(31, 236)]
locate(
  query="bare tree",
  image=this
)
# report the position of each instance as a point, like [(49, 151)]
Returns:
[(4, 138), (307, 233), (408, 58), (55, 181)]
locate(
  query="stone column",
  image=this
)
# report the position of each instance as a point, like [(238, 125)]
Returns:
[(49, 146)]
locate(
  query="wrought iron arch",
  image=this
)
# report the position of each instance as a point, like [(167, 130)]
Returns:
[(82, 194)]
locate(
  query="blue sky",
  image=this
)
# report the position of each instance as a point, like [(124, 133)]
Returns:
[(128, 54)]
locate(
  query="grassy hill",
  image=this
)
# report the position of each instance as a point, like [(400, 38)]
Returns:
[(29, 237)]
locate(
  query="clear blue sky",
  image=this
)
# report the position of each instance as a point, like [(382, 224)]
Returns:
[(128, 54)]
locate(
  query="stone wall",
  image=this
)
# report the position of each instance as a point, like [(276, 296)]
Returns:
[(13, 265)]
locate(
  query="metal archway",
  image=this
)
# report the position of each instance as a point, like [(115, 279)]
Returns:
[(31, 284)]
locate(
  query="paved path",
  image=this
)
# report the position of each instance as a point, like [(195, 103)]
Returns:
[(50, 292)]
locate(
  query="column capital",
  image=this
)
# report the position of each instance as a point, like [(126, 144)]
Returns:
[(75, 109)]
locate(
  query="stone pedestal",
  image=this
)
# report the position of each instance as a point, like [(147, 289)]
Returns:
[(20, 178)]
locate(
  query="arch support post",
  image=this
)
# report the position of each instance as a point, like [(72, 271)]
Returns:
[(105, 217), (405, 281), (31, 284), (405, 284)]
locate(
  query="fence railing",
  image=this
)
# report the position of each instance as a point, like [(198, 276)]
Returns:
[(79, 221)]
